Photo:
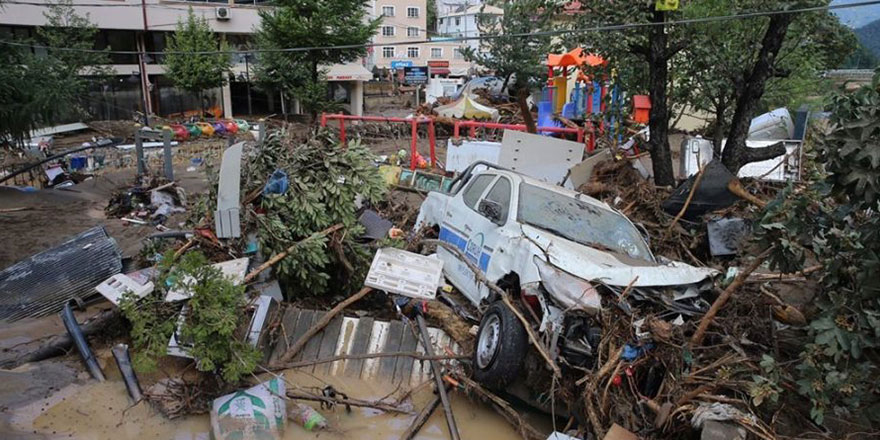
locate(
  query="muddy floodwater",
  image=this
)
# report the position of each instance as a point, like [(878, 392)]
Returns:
[(103, 411)]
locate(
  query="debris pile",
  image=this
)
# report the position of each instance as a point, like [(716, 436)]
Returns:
[(152, 203)]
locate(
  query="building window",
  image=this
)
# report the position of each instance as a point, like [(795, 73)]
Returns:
[(458, 21), (456, 53), (388, 52), (412, 32), (436, 52), (412, 52), (441, 20), (388, 11), (387, 31), (412, 12)]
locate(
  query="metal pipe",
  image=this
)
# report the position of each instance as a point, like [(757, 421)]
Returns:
[(80, 342), (123, 361), (438, 379)]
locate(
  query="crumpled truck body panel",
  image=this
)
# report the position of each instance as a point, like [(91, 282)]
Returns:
[(613, 269)]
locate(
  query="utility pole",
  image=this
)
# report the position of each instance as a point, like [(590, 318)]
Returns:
[(145, 82), (247, 76)]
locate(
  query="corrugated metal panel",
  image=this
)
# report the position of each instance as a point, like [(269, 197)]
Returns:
[(357, 336), (41, 284)]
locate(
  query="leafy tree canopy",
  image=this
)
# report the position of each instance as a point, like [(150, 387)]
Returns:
[(186, 66), (44, 86), (310, 24)]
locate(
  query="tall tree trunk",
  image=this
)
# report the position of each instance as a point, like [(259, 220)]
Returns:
[(659, 118), (522, 97), (736, 154), (718, 133)]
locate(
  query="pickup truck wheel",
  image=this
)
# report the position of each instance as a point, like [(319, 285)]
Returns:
[(501, 347)]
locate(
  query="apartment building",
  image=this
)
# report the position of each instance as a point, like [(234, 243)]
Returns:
[(405, 21), (466, 21), (134, 26)]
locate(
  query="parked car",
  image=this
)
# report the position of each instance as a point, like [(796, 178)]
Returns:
[(563, 254)]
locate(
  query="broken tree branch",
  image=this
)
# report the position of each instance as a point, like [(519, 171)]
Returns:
[(697, 339), (421, 419), (292, 351), (347, 401), (290, 249), (504, 297), (526, 431), (689, 199), (735, 187)]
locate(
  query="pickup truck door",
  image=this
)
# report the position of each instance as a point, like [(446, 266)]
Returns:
[(473, 233)]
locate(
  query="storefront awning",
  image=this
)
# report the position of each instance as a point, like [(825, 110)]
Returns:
[(348, 72)]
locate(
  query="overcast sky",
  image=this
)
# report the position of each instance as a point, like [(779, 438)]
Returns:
[(859, 16)]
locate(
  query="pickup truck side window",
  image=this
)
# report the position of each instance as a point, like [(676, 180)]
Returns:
[(475, 190), (500, 193)]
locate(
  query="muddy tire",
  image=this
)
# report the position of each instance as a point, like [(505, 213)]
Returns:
[(501, 347)]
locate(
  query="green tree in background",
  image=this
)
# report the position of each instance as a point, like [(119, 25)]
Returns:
[(715, 68), (187, 66), (641, 56), (519, 61), (46, 87), (310, 24)]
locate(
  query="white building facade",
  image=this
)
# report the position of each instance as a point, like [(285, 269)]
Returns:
[(466, 21), (133, 26)]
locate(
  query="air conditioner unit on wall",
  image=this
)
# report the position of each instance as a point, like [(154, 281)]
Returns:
[(223, 13)]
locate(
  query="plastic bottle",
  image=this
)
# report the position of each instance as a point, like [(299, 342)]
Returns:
[(306, 416)]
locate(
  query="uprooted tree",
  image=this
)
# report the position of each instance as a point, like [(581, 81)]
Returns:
[(326, 182), (210, 321), (833, 222), (513, 57)]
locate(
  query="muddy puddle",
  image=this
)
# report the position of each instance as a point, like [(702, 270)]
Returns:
[(102, 411)]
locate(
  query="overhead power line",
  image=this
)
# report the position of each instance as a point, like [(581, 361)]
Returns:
[(599, 28)]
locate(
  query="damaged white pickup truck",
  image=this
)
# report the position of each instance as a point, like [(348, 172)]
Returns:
[(563, 254)]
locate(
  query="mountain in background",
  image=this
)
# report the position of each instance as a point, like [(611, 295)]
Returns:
[(869, 36), (859, 16)]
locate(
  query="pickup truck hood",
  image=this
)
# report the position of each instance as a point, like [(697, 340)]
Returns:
[(593, 264)]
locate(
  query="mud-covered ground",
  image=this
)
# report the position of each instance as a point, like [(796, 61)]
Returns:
[(56, 398)]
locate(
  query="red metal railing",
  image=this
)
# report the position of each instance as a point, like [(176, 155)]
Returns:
[(414, 122), (432, 140), (473, 125)]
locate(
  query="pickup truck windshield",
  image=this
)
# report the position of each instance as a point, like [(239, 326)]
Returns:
[(580, 222)]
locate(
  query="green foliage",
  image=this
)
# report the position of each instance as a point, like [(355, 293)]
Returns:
[(212, 316), (766, 386), (714, 67), (309, 23), (517, 58), (835, 223), (862, 58), (186, 66), (40, 90), (325, 180)]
